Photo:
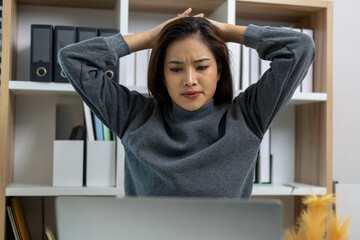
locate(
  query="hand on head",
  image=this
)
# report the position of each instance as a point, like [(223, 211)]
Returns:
[(156, 30)]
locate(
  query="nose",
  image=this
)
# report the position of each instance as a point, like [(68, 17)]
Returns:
[(190, 78)]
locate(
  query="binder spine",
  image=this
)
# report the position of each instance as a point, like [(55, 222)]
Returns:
[(41, 49), (63, 36)]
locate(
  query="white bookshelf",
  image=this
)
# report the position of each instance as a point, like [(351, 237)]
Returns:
[(303, 132), (288, 189), (31, 88), (40, 88), (16, 189)]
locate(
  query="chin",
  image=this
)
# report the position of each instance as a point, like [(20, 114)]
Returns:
[(192, 107)]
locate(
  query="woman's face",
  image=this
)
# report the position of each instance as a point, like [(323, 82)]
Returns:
[(191, 73)]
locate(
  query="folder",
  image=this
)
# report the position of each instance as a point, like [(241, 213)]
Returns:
[(307, 83), (84, 33), (113, 71), (245, 67), (299, 88), (254, 66), (100, 173), (64, 35), (41, 53), (141, 67), (68, 163), (265, 152)]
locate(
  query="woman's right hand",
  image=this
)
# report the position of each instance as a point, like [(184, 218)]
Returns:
[(154, 32), (145, 40)]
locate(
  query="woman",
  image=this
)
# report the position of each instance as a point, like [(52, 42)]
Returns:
[(192, 138)]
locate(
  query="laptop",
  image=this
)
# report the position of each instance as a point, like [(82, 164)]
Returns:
[(96, 218)]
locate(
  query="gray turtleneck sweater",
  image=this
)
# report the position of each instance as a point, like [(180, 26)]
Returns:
[(209, 152)]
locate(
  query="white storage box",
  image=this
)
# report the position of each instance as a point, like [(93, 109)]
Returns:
[(68, 165), (100, 163)]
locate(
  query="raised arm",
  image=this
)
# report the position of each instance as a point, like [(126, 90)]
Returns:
[(85, 63), (231, 33), (291, 53)]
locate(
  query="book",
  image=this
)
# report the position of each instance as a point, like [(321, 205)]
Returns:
[(99, 135), (88, 123), (49, 233), (257, 169), (107, 133), (20, 219), (12, 223), (78, 133)]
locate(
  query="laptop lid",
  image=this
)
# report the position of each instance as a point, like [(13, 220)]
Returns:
[(167, 218)]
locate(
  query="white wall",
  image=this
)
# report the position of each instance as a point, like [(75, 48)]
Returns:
[(346, 109)]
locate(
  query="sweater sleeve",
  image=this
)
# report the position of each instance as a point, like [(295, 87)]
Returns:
[(291, 54), (84, 64)]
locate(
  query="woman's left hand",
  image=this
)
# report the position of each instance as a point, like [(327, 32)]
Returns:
[(231, 33)]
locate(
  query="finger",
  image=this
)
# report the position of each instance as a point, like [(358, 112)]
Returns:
[(185, 13), (199, 15)]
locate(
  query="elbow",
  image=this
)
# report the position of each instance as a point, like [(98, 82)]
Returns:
[(68, 65), (309, 46)]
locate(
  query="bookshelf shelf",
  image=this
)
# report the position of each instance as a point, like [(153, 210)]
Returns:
[(99, 4), (287, 189), (40, 88), (31, 88), (46, 190)]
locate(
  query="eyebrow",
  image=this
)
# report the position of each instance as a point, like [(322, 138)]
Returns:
[(196, 61)]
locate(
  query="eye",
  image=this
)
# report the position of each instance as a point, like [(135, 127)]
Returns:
[(201, 68), (175, 69)]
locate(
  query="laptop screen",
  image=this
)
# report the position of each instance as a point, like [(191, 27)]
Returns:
[(167, 218)]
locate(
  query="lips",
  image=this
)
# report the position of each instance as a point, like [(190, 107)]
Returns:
[(191, 94)]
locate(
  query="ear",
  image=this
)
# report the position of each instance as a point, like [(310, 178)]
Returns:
[(218, 75)]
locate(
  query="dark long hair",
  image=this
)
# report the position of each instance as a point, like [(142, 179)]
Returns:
[(180, 29)]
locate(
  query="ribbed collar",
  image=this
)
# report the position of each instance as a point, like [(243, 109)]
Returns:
[(177, 113)]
